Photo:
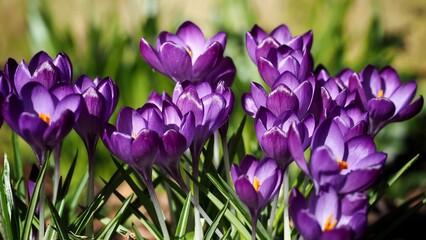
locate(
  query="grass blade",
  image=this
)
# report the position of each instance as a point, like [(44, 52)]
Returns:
[(216, 221), (60, 226), (183, 219), (33, 202)]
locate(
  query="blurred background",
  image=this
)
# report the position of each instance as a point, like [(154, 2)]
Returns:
[(102, 39)]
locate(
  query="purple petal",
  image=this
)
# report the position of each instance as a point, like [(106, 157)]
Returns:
[(327, 204), (274, 143), (21, 77), (130, 122), (403, 95), (281, 99), (304, 93), (281, 34), (187, 127), (189, 101), (296, 149), (63, 64), (352, 203), (360, 180), (409, 111), (219, 37), (37, 60), (265, 45), (391, 81), (192, 35), (72, 103), (32, 129), (59, 128), (207, 60), (246, 193), (84, 82), (328, 134), (150, 56), (46, 74), (267, 71), (380, 108), (176, 61), (171, 114), (37, 98), (307, 225), (122, 146), (323, 163), (337, 233), (214, 105), (144, 149)]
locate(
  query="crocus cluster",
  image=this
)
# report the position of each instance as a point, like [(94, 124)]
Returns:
[(202, 100), (336, 117), (42, 105)]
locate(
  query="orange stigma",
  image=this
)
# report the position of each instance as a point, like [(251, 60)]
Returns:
[(380, 93), (342, 165), (256, 184), (189, 52), (328, 224), (45, 117)]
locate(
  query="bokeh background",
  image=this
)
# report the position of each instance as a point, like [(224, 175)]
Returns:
[(102, 39)]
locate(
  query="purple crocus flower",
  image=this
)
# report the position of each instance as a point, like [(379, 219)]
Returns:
[(328, 217), (347, 166), (383, 95), (211, 107), (100, 99), (272, 134), (135, 139), (40, 118), (290, 95), (177, 136), (258, 42), (256, 183), (187, 55), (41, 68)]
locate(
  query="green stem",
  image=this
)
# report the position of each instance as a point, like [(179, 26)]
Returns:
[(90, 189), (198, 232), (154, 199), (286, 215), (56, 173), (41, 213), (253, 226), (272, 216)]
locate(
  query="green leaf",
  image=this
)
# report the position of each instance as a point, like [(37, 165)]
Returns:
[(109, 230), (216, 221), (60, 225), (384, 187), (33, 202), (183, 219), (6, 201), (137, 233)]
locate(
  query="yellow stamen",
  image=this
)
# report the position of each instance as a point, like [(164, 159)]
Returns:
[(134, 135), (189, 52), (45, 117), (256, 183), (342, 165), (328, 224), (380, 93)]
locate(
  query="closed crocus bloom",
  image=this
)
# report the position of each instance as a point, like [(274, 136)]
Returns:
[(211, 107), (272, 134), (42, 69), (135, 139), (187, 55), (282, 60), (347, 166), (40, 118), (258, 42), (100, 99), (177, 137), (328, 217), (256, 183), (290, 95)]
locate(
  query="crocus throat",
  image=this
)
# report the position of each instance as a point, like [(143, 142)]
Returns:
[(134, 135), (342, 164), (380, 93), (45, 117), (256, 183), (329, 225)]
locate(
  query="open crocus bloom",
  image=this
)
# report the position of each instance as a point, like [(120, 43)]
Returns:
[(328, 217), (347, 166), (187, 55), (256, 182), (40, 118)]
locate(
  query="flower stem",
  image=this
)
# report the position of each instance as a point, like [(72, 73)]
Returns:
[(253, 226), (286, 215), (154, 199), (41, 213), (198, 232), (272, 216), (56, 174), (90, 190)]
